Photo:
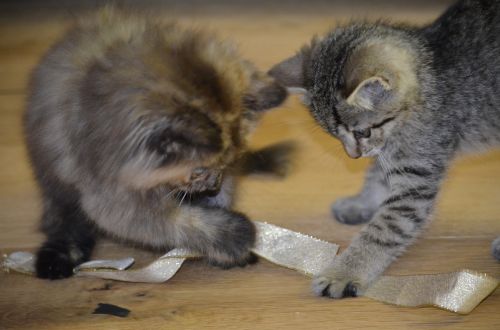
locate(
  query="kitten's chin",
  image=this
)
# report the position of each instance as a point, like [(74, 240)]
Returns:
[(355, 153), (372, 153)]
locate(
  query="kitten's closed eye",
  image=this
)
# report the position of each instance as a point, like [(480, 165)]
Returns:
[(367, 132), (359, 134)]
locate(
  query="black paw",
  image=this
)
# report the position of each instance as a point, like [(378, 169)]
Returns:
[(238, 236), (233, 244), (53, 264), (337, 283), (251, 259), (248, 260), (350, 290)]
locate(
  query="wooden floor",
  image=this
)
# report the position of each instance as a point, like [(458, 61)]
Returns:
[(263, 296)]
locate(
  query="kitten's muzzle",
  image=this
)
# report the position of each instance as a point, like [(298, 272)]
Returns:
[(351, 142)]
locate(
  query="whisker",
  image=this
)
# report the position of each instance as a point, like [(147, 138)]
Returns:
[(182, 199), (172, 192), (385, 168)]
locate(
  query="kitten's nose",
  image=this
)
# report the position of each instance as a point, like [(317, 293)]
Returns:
[(212, 178), (351, 147), (353, 153), (198, 172)]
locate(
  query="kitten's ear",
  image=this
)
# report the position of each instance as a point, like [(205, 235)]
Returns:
[(290, 72), (264, 94), (293, 72), (370, 93)]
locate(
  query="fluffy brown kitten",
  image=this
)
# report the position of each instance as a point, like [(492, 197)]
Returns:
[(134, 128)]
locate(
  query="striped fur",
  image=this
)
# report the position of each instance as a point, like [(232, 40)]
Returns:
[(412, 98)]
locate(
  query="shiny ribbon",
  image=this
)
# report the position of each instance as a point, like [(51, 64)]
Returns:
[(458, 292)]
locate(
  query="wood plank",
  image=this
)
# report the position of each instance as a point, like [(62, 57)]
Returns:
[(262, 296)]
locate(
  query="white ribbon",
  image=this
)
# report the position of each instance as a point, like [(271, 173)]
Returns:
[(458, 292)]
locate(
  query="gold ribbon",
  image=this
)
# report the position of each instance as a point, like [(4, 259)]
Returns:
[(458, 292)]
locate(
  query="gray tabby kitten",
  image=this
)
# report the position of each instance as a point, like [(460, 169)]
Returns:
[(136, 128), (412, 98)]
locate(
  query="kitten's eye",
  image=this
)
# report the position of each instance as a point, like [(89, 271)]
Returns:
[(365, 133)]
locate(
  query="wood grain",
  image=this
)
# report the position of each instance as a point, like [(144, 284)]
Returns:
[(263, 296)]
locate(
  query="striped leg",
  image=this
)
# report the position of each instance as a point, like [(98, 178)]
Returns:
[(396, 224), (361, 208)]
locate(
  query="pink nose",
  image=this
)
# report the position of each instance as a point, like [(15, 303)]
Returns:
[(354, 155), (353, 152), (211, 177)]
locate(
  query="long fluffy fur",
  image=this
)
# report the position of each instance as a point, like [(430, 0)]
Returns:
[(130, 122)]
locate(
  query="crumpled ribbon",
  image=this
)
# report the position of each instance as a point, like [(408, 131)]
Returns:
[(458, 292)]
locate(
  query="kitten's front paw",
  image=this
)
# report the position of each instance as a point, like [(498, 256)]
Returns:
[(232, 247), (53, 264), (339, 282), (352, 211), (249, 259)]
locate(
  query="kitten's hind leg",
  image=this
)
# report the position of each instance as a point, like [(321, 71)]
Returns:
[(495, 248), (70, 240), (361, 208)]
